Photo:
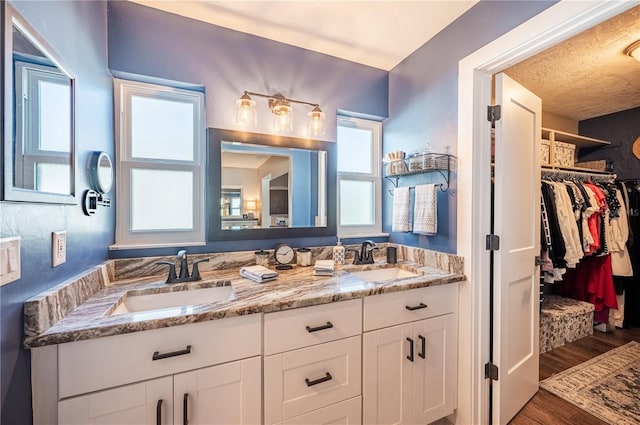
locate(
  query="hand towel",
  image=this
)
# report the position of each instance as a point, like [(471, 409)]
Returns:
[(401, 210), (258, 274), (425, 211), (323, 268)]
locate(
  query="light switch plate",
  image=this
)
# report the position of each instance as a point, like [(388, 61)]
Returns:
[(58, 248), (9, 259)]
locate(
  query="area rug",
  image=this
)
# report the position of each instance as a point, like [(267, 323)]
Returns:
[(607, 386)]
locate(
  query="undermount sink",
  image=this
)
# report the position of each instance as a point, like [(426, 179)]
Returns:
[(384, 275), (174, 299)]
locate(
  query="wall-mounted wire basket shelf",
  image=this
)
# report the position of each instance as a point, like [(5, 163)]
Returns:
[(419, 164)]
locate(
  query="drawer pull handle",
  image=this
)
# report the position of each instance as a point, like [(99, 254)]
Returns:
[(410, 356), (185, 404), (329, 325), (158, 356), (415, 307), (423, 341), (325, 378), (159, 412)]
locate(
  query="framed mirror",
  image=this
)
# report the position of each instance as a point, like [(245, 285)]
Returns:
[(39, 117), (263, 186)]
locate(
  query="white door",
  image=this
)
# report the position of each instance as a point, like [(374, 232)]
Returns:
[(517, 223), (387, 376), (144, 403), (226, 394), (434, 368)]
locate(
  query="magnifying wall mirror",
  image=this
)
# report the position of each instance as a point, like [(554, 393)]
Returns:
[(39, 117), (263, 186)]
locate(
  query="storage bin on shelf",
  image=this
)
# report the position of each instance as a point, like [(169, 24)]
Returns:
[(544, 151), (564, 154)]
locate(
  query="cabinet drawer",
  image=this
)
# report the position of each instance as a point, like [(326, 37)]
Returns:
[(303, 380), (346, 412), (302, 327), (407, 306), (95, 364)]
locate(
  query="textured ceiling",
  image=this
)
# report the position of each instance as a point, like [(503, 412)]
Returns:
[(587, 75), (378, 33)]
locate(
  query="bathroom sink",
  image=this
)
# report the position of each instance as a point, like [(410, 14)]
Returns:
[(384, 275), (175, 299)]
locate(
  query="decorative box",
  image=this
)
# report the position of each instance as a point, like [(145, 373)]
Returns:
[(565, 154), (598, 165), (544, 152)]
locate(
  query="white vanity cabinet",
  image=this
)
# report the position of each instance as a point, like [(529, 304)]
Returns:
[(410, 356), (312, 364), (204, 373)]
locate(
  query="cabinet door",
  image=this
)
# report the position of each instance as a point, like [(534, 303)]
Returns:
[(224, 394), (144, 403), (434, 368), (387, 377)]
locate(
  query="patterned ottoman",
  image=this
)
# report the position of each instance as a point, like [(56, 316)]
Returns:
[(564, 320)]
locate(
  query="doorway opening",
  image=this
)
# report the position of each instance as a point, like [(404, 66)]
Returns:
[(555, 24)]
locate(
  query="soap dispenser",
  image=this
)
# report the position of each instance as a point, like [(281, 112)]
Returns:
[(338, 253)]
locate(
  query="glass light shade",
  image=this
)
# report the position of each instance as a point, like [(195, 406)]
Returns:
[(282, 118), (246, 111), (316, 122)]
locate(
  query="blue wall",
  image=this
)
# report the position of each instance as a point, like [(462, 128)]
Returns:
[(621, 129), (78, 32), (423, 103), (153, 43)]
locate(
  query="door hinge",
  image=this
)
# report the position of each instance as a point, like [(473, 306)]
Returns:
[(493, 243), (491, 371), (538, 261), (493, 113)]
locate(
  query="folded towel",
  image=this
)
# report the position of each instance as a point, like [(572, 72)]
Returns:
[(401, 210), (323, 268), (425, 211), (258, 274)]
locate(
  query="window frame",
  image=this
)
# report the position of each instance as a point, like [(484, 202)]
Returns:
[(375, 177), (124, 90)]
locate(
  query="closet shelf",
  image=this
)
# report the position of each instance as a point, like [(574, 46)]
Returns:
[(420, 164), (574, 139), (548, 171)]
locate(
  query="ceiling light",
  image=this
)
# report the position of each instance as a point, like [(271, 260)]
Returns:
[(633, 50), (282, 113)]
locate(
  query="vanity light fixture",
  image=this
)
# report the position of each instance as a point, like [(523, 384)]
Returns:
[(633, 50), (282, 113)]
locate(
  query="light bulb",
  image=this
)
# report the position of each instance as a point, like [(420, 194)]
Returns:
[(245, 111), (316, 122)]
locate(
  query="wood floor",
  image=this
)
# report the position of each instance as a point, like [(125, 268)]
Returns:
[(547, 409)]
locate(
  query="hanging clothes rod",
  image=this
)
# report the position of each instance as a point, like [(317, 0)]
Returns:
[(593, 176)]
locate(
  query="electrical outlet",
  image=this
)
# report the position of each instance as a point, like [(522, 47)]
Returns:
[(58, 248)]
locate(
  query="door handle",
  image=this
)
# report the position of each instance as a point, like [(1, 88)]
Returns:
[(329, 325), (158, 356), (423, 342), (325, 378), (410, 356), (159, 412), (185, 405), (415, 307)]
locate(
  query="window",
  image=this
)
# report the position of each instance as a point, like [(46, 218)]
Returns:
[(359, 185), (44, 125), (160, 159)]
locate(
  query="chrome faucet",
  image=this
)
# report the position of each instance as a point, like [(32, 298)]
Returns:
[(184, 269), (365, 255)]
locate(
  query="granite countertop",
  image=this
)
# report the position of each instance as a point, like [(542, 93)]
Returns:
[(293, 288)]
